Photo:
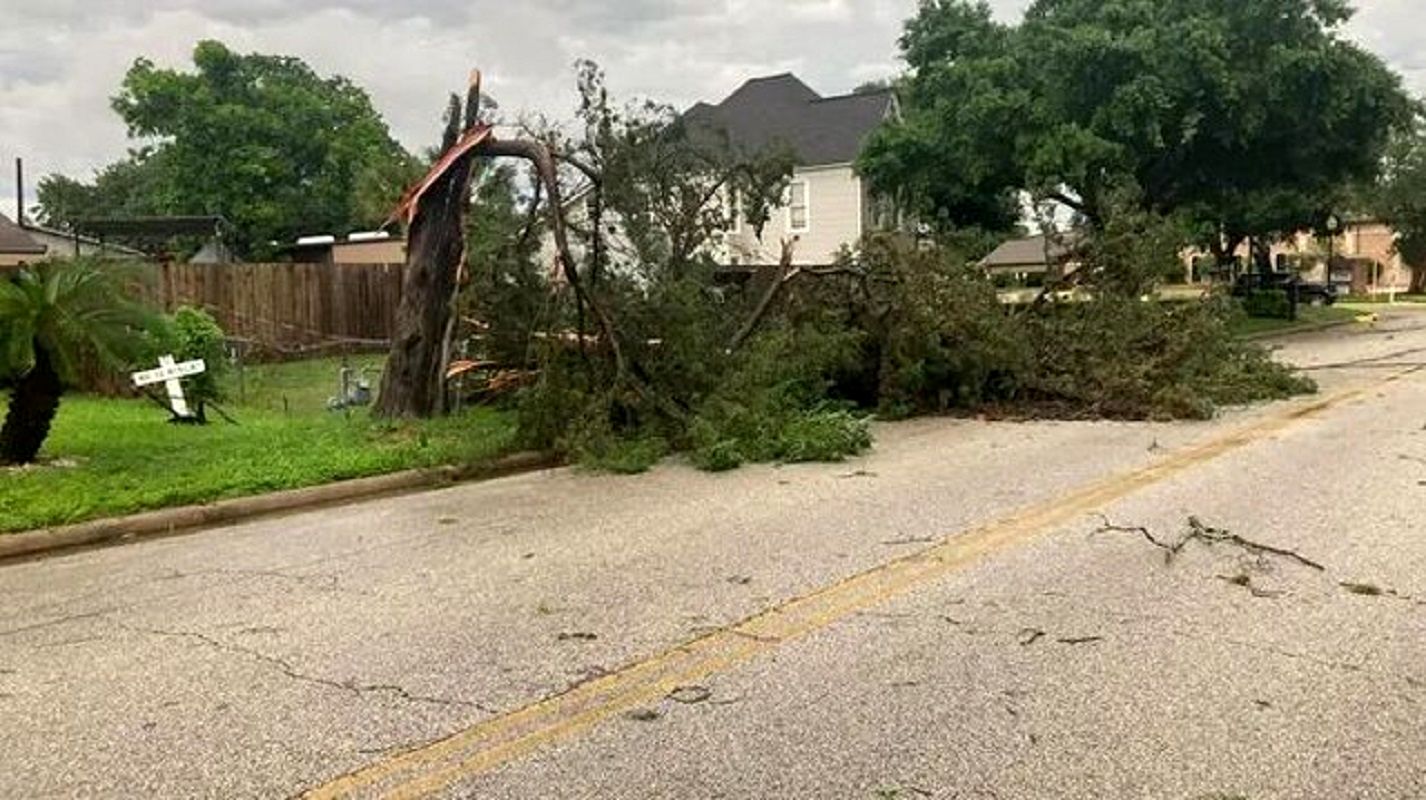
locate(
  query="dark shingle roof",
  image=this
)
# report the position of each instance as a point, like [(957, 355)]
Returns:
[(13, 239), (782, 110)]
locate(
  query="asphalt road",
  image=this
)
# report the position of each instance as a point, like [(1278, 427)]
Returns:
[(942, 618)]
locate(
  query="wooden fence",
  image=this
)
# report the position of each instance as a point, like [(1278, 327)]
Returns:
[(289, 308)]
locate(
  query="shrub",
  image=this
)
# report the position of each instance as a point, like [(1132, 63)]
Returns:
[(197, 335), (1268, 303)]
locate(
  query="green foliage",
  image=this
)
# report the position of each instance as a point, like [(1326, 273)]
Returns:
[(74, 310), (135, 186), (1399, 198), (1248, 118), (189, 334), (261, 140), (1268, 303), (772, 402), (622, 456), (508, 292), (1126, 358), (895, 326), (823, 435), (663, 184), (945, 341)]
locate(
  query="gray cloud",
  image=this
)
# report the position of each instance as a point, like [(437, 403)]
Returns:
[(60, 60)]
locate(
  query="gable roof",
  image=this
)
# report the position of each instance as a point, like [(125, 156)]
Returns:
[(14, 239), (1031, 252), (782, 110)]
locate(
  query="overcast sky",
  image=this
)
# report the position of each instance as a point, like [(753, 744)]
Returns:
[(60, 60)]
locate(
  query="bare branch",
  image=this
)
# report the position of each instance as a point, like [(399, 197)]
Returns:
[(784, 274), (1210, 536)]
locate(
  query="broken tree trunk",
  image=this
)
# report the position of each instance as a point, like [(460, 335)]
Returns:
[(413, 382), (782, 274)]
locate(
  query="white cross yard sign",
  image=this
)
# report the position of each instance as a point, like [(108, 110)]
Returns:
[(168, 373)]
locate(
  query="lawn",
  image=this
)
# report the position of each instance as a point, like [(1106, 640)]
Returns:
[(1308, 317), (107, 457)]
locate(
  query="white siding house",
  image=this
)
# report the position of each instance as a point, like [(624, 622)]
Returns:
[(827, 206)]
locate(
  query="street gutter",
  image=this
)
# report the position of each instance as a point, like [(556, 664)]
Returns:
[(1313, 327), (192, 518)]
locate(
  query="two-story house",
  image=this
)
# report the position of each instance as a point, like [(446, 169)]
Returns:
[(827, 205)]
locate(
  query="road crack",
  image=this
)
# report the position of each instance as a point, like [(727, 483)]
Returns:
[(291, 672)]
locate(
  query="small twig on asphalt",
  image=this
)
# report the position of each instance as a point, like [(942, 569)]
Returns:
[(689, 695), (1081, 640), (1029, 636), (1210, 536), (1246, 582)]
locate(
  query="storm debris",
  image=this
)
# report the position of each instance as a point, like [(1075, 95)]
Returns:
[(1245, 581), (576, 636), (909, 540), (690, 695), (1372, 590), (1029, 636), (1197, 531)]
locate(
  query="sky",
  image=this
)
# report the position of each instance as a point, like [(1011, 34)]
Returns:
[(61, 60)]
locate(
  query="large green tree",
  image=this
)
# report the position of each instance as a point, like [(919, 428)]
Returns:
[(136, 186), (262, 140), (1246, 119), (1399, 198)]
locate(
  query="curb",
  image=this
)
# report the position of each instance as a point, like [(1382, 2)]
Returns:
[(191, 518), (1314, 328)]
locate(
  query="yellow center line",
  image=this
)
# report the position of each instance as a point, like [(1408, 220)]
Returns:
[(428, 769)]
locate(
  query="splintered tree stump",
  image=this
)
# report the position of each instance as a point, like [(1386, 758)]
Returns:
[(413, 383)]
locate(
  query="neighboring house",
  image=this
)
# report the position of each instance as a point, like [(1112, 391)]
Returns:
[(61, 244), (376, 247), (828, 205), (1368, 247), (1028, 259), (17, 246)]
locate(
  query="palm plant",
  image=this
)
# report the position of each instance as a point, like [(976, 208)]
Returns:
[(53, 315)]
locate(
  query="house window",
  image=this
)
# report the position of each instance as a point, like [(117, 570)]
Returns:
[(799, 208)]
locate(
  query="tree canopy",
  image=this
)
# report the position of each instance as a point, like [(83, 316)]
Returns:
[(1399, 198), (261, 140), (1244, 118)]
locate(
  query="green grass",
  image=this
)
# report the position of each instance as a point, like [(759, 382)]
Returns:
[(1307, 317), (108, 457)]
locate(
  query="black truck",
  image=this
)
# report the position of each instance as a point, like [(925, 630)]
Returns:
[(1309, 292)]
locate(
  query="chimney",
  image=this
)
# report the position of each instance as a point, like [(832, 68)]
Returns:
[(19, 191)]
